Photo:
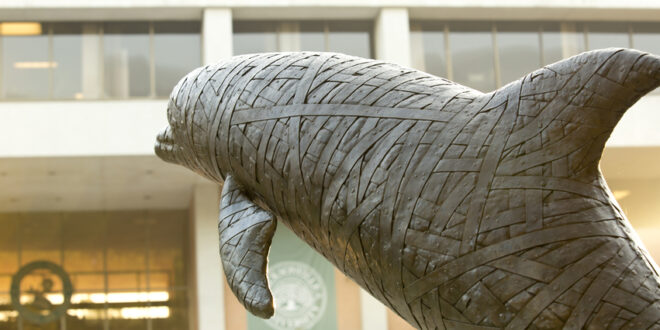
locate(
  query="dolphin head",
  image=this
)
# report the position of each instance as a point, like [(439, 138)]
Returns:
[(185, 140)]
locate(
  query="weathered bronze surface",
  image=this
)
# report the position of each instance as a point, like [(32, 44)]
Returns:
[(453, 207)]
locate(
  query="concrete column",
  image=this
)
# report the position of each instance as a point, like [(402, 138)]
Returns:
[(208, 276), (373, 312), (217, 42), (91, 62), (392, 36)]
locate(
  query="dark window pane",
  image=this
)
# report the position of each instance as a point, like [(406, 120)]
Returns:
[(126, 60), (254, 37), (8, 246), (83, 244), (177, 51), (43, 231), (551, 41), (166, 250), (352, 38), (68, 54), (573, 39), (312, 36), (428, 48), (646, 37), (610, 34), (126, 251), (471, 46), (25, 64), (519, 50), (178, 312)]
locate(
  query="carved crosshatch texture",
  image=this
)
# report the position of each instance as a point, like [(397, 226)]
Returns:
[(453, 207)]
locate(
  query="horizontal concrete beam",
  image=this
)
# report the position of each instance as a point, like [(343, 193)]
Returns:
[(77, 128), (331, 3), (587, 10)]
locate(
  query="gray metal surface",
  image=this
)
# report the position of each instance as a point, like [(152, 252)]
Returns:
[(453, 207)]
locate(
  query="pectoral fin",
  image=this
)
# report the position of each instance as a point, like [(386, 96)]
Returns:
[(246, 232)]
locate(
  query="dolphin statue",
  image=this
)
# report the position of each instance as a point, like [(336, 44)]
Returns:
[(455, 208)]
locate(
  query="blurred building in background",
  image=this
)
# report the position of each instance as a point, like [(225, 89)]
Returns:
[(83, 93)]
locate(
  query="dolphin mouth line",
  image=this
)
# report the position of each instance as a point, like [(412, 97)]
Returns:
[(165, 148)]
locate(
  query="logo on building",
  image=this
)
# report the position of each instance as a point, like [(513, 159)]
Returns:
[(299, 293), (41, 292)]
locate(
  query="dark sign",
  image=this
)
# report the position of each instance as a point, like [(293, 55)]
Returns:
[(40, 310)]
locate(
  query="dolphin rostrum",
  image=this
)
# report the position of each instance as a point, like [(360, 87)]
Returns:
[(455, 208)]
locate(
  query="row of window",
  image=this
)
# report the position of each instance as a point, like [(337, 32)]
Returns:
[(145, 59), (93, 61), (127, 268), (485, 56)]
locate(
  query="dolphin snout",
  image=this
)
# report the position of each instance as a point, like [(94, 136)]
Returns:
[(165, 147)]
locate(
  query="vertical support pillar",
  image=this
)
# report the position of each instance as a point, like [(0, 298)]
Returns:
[(208, 276), (217, 41), (392, 36), (373, 312), (92, 74)]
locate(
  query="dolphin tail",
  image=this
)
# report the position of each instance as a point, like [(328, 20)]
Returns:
[(246, 232), (570, 108)]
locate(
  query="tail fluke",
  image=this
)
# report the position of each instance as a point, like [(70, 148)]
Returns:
[(570, 108)]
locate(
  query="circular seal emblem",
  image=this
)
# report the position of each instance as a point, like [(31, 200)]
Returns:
[(299, 293), (31, 287)]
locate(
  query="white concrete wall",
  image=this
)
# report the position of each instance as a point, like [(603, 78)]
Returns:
[(77, 128)]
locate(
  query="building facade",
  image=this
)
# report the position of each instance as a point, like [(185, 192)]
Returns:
[(97, 233)]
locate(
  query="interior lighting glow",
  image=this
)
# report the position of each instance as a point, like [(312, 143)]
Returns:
[(20, 28), (101, 298), (120, 297), (155, 312), (160, 312), (6, 315), (35, 65), (620, 194)]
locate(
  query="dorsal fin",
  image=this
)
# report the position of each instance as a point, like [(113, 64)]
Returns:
[(246, 232), (571, 107)]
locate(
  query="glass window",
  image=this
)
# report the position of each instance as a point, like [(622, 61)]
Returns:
[(352, 38), (312, 36), (45, 238), (177, 51), (471, 48), (519, 50), (108, 256), (8, 246), (68, 57), (646, 37), (126, 60), (25, 62), (254, 37), (609, 34), (428, 50), (551, 43), (572, 39)]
